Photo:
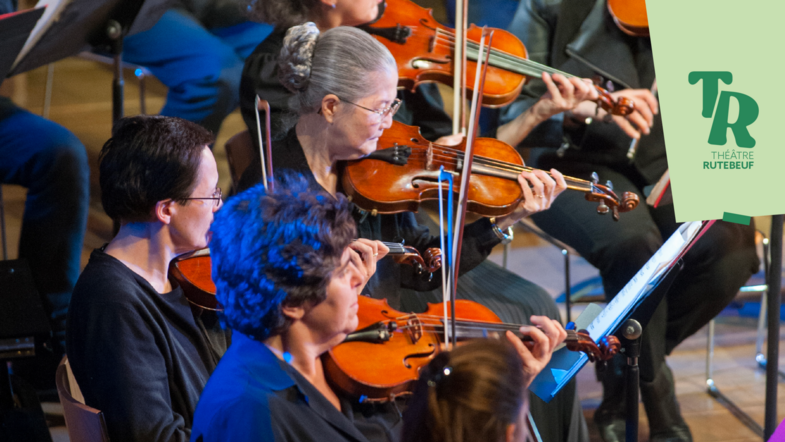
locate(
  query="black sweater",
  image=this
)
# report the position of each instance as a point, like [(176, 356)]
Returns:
[(140, 356)]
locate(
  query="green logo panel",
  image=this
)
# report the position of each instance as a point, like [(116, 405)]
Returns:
[(723, 111)]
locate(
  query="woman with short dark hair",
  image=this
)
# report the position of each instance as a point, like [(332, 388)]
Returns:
[(138, 350)]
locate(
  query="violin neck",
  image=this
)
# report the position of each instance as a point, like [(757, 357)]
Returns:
[(395, 248), (513, 63), (511, 171)]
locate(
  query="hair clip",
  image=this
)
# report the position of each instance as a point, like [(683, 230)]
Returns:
[(439, 376)]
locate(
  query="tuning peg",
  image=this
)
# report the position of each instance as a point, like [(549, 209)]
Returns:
[(602, 208), (595, 178), (609, 185)]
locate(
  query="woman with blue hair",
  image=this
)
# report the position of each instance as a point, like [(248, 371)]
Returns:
[(289, 277)]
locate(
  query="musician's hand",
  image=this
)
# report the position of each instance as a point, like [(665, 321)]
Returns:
[(639, 121), (369, 252), (563, 94), (449, 140), (536, 354), (539, 191)]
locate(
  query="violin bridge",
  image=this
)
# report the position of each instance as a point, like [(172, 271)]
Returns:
[(429, 157), (414, 329)]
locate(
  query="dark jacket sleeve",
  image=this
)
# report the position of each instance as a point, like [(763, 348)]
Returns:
[(424, 108), (122, 372), (478, 242), (534, 24), (260, 77)]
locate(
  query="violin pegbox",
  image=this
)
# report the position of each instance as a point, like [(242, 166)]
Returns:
[(608, 201)]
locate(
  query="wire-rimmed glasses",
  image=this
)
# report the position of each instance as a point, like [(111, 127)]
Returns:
[(217, 196), (382, 113)]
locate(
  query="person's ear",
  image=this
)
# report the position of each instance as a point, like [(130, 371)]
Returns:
[(329, 103), (164, 210), (330, 4), (510, 433), (293, 313)]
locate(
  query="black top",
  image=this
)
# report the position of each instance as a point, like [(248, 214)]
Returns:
[(423, 108), (139, 356), (254, 396), (478, 238)]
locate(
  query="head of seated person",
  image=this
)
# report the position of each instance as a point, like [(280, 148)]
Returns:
[(283, 268), (326, 13), (344, 86), (472, 393), (159, 180)]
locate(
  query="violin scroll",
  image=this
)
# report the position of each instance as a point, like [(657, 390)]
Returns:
[(606, 349), (430, 262), (621, 106), (433, 258), (608, 200)]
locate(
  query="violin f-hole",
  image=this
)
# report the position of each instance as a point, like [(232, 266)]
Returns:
[(419, 355)]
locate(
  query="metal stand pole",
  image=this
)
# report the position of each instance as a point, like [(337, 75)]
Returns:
[(114, 30), (631, 347), (772, 351), (115, 33), (567, 288)]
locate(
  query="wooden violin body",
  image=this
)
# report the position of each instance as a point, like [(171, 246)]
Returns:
[(402, 187), (630, 16), (380, 369), (424, 52), (193, 271), (404, 171), (383, 358)]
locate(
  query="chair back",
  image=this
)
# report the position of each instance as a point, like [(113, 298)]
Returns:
[(84, 423), (240, 152)]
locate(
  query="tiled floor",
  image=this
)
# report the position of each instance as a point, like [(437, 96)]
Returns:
[(81, 102)]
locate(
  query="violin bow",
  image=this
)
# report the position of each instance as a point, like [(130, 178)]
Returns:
[(634, 143), (460, 222), (459, 66), (267, 164)]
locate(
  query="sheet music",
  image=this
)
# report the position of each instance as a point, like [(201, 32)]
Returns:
[(51, 14), (643, 282), (565, 364)]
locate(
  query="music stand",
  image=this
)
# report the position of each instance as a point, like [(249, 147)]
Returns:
[(773, 301), (73, 26)]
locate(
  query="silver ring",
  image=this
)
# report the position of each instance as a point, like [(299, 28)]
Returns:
[(376, 254)]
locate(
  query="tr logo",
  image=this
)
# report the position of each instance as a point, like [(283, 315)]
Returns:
[(748, 109)]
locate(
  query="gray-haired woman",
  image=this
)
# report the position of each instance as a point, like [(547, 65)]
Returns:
[(342, 84)]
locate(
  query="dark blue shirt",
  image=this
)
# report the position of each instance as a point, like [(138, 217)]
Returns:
[(254, 396)]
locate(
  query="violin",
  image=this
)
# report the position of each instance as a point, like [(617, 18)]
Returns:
[(630, 16), (423, 50), (408, 166), (193, 271), (382, 359)]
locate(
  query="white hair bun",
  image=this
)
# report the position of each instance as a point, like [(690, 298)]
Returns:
[(294, 62)]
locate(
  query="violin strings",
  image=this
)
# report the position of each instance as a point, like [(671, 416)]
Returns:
[(466, 326), (572, 183), (505, 56), (496, 164), (440, 318), (524, 66)]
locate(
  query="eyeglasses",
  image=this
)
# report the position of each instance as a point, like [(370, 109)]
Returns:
[(216, 197), (384, 112)]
